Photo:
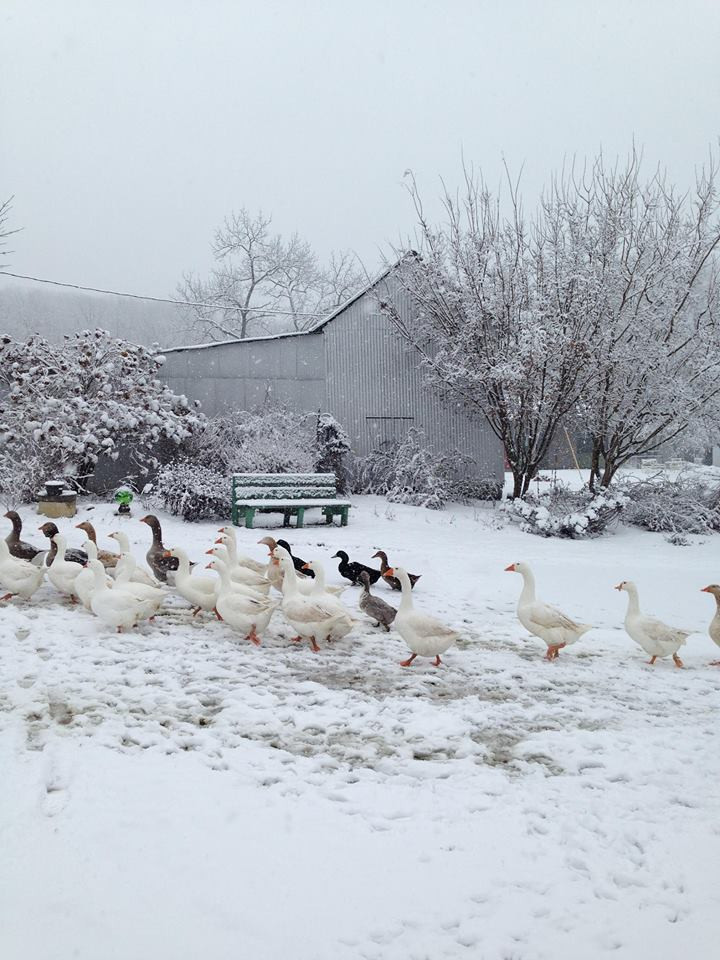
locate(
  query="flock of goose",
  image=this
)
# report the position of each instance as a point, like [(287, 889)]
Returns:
[(121, 593)]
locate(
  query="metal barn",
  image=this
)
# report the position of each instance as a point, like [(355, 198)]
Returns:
[(353, 365)]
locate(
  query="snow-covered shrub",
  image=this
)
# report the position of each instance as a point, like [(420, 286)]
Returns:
[(409, 472), (687, 504), (273, 439), (192, 491), (566, 513), (419, 477), (74, 404), (332, 446)]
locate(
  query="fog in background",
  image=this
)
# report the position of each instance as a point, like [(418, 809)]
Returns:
[(127, 131)]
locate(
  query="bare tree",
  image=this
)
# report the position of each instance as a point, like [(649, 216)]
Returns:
[(645, 256), (5, 231), (263, 283), (499, 326)]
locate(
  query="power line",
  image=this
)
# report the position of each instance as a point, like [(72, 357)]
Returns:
[(175, 303)]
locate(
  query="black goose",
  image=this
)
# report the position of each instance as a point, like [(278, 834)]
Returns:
[(297, 562), (72, 554), (393, 581), (156, 559), (352, 571), (17, 547), (374, 607)]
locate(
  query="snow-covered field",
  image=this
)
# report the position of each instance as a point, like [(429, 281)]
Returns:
[(177, 793)]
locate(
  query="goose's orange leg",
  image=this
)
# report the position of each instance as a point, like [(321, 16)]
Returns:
[(677, 661), (406, 663)]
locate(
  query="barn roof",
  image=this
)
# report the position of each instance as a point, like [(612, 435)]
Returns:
[(297, 333)]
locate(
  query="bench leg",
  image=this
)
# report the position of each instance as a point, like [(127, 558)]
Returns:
[(300, 513), (328, 511), (234, 515), (344, 517), (286, 517), (249, 517)]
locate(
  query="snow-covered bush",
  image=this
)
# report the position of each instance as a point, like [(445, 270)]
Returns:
[(688, 504), (332, 446), (64, 408), (565, 513), (192, 491), (409, 472), (273, 439)]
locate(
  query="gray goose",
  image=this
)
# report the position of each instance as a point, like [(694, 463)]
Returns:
[(160, 564), (375, 608), (106, 557), (72, 554), (17, 547)]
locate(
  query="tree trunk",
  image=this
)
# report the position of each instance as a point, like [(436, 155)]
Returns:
[(594, 465)]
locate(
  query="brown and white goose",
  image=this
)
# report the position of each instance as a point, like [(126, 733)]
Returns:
[(160, 561), (18, 547), (106, 557), (393, 581), (72, 554)]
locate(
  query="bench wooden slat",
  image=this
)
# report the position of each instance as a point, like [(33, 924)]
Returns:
[(288, 493)]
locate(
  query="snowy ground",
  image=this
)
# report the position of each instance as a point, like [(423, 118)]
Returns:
[(177, 793)]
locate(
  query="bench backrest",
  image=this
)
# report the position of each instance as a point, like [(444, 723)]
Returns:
[(284, 486)]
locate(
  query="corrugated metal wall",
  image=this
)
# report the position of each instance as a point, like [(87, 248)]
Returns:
[(242, 375), (375, 388), (356, 367)]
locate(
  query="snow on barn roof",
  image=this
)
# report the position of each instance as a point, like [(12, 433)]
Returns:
[(295, 333)]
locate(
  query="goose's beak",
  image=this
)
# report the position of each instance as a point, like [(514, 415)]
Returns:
[(305, 566), (168, 553), (705, 590), (210, 551), (618, 587), (390, 572), (510, 569), (208, 566), (219, 540)]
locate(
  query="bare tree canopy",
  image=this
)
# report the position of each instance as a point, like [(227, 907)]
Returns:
[(5, 231), (263, 283), (598, 312)]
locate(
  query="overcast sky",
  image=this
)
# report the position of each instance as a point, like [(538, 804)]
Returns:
[(129, 129)]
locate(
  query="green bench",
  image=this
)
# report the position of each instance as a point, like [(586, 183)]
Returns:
[(288, 493)]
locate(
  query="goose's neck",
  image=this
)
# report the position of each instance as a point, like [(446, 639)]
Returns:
[(183, 564), (319, 585), (230, 547), (224, 574), (406, 601), (99, 575), (528, 591), (16, 529), (383, 562), (633, 601), (290, 583)]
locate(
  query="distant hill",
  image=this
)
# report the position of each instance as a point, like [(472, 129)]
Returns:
[(54, 312)]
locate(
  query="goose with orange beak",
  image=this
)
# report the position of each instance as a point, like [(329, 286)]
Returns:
[(656, 638), (541, 620), (714, 628), (425, 636)]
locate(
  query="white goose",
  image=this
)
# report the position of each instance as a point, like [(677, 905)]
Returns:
[(542, 620), (20, 578), (655, 637), (318, 588), (201, 592), (313, 618), (149, 598), (85, 581), (138, 574), (250, 616), (116, 608), (312, 586), (229, 539), (714, 626), (240, 575), (63, 572), (426, 636)]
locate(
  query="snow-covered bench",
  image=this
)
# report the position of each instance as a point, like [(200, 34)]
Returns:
[(286, 493)]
